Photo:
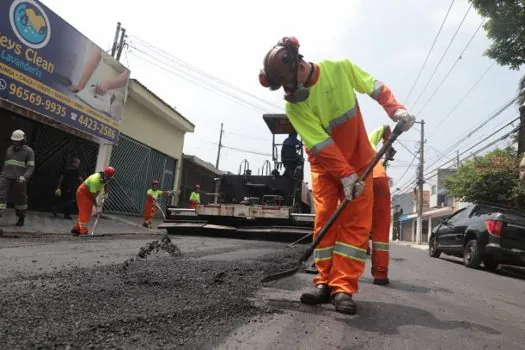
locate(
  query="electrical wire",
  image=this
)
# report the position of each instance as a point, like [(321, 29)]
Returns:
[(429, 52), (451, 68), (247, 136), (503, 137), (443, 56), (475, 84), (247, 151), (477, 128), (201, 84), (179, 61)]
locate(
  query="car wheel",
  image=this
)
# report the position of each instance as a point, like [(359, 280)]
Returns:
[(432, 248), (490, 265), (472, 255)]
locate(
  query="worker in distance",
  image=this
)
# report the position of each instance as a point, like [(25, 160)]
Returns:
[(322, 107)]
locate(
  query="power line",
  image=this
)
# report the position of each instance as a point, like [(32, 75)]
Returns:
[(179, 61), (199, 83), (483, 148), (443, 56), (501, 138), (451, 69), (476, 83), (406, 148), (474, 130), (408, 167), (247, 151), (465, 96), (429, 52), (247, 136), (477, 128)]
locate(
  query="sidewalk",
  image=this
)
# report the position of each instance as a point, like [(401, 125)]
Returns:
[(39, 223), (423, 246)]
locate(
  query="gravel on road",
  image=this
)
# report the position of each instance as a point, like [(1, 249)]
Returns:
[(171, 301)]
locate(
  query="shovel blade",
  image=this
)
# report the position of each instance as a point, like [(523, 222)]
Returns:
[(281, 275)]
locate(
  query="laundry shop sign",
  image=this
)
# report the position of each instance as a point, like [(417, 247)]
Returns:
[(50, 68)]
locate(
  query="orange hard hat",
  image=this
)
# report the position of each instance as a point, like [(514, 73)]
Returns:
[(109, 171), (155, 182)]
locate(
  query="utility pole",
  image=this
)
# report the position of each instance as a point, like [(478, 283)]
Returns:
[(457, 158), (521, 131), (219, 147), (420, 182), (122, 43), (115, 41)]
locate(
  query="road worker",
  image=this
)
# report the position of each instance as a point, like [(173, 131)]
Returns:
[(195, 197), (68, 182), (87, 194), (19, 164), (150, 208), (380, 212), (322, 107)]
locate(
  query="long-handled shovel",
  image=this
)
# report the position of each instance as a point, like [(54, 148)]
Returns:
[(97, 218), (395, 134), (389, 153)]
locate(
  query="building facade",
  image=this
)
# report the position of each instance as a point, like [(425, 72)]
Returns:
[(196, 171), (439, 206), (60, 100), (149, 148)]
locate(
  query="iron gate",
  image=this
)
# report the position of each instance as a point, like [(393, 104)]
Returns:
[(137, 166)]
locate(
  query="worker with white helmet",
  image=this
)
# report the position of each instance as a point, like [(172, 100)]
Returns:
[(19, 164)]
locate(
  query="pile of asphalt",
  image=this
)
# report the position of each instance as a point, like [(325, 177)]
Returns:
[(171, 301)]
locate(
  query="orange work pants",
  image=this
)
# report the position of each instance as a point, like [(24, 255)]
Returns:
[(193, 204), (150, 211), (85, 209), (340, 255), (380, 228)]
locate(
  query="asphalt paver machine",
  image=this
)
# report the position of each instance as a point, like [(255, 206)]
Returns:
[(276, 201)]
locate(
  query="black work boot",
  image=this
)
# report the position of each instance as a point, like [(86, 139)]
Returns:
[(344, 303), (318, 295), (21, 221), (381, 281)]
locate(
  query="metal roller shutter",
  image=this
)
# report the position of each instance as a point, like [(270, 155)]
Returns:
[(137, 166)]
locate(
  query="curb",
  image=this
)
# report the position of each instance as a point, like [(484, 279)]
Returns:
[(131, 223), (14, 234), (411, 245)]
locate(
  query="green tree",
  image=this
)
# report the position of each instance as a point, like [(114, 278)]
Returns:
[(492, 177), (505, 27)]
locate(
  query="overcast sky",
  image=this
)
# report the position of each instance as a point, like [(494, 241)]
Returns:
[(228, 39)]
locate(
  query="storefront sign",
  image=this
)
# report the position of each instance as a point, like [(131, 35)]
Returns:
[(48, 67)]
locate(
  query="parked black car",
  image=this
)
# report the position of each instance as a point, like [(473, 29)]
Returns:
[(482, 232)]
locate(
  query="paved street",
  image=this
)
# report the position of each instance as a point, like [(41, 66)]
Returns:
[(66, 292)]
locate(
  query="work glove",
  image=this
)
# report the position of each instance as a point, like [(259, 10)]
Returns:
[(22, 180), (407, 118), (58, 192), (352, 186)]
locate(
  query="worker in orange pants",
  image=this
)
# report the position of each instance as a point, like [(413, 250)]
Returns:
[(381, 212), (321, 105), (87, 194), (150, 208)]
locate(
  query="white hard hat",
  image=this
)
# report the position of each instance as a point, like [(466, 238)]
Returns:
[(18, 135)]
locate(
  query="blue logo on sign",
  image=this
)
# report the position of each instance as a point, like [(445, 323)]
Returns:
[(30, 23)]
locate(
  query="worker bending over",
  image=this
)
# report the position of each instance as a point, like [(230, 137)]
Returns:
[(195, 197), (19, 164), (150, 208), (87, 194), (380, 213), (322, 107)]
